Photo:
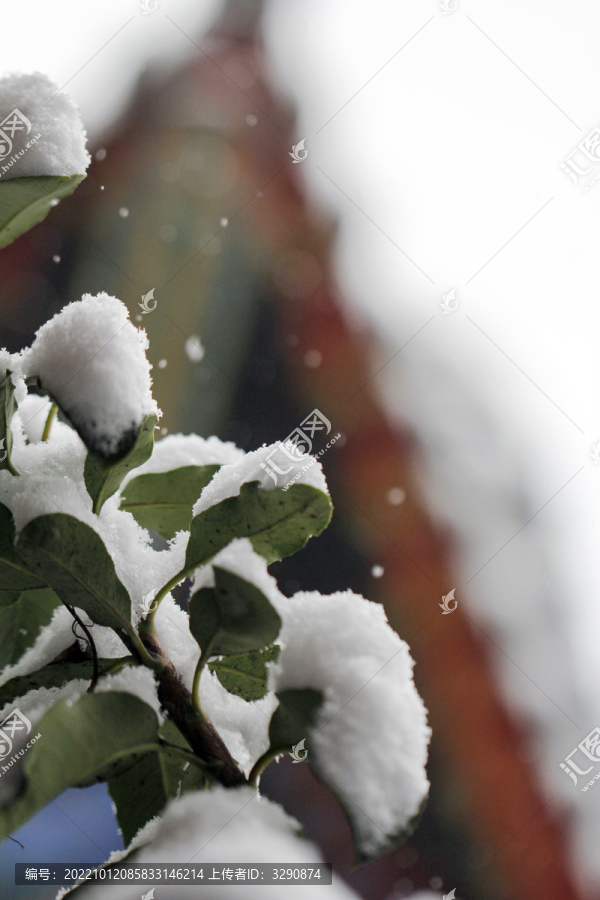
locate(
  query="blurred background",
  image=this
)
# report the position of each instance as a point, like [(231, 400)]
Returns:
[(427, 277)]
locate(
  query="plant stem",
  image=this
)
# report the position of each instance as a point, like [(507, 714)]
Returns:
[(182, 753), (201, 735), (261, 764), (120, 664), (148, 622), (133, 641), (49, 421)]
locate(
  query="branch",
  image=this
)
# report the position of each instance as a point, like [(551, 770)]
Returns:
[(200, 734)]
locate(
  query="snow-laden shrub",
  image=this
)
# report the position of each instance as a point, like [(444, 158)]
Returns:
[(103, 677), (158, 702)]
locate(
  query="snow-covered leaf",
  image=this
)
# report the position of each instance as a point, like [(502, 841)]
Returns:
[(103, 476), (77, 742), (277, 522), (245, 674), (163, 501), (91, 360), (233, 617), (73, 560), (8, 407), (23, 614), (24, 202), (14, 574), (224, 825), (142, 790), (369, 744), (55, 674), (293, 718)]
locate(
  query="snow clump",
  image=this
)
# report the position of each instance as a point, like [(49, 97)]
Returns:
[(370, 740), (231, 827), (92, 360), (46, 136)]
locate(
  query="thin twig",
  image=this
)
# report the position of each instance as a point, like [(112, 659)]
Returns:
[(92, 645), (11, 838)]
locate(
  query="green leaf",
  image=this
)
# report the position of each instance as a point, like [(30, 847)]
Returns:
[(8, 407), (277, 522), (245, 674), (14, 574), (23, 614), (103, 477), (293, 718), (163, 501), (233, 617), (24, 202), (142, 791), (73, 560), (77, 742), (55, 674)]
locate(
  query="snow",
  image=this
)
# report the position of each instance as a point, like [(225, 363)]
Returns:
[(177, 450), (51, 641), (231, 827), (146, 834), (32, 415), (136, 680), (92, 359), (228, 480), (240, 558), (371, 738), (51, 481), (35, 704), (13, 363), (52, 138), (194, 349), (370, 741)]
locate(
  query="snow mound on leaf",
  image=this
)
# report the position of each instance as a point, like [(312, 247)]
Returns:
[(51, 481), (13, 363), (229, 479), (370, 741), (138, 681), (232, 827), (35, 704), (60, 147), (178, 450), (51, 641), (92, 360), (240, 558), (50, 478)]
